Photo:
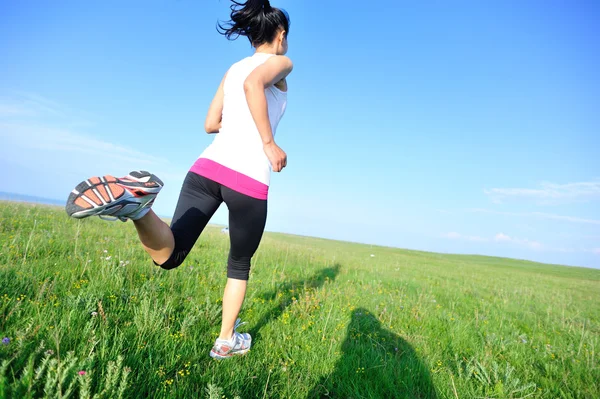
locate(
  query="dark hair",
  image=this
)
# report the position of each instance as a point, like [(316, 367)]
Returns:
[(256, 20)]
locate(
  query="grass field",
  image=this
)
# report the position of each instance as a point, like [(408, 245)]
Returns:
[(84, 313)]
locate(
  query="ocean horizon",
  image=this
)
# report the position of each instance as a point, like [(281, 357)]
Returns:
[(5, 196)]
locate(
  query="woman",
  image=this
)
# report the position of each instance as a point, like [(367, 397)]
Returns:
[(235, 168)]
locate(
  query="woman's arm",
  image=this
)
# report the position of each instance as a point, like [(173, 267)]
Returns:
[(268, 74), (212, 124)]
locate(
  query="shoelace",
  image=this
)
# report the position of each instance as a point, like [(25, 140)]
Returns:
[(238, 323)]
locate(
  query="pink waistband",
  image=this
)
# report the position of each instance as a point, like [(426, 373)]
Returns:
[(230, 178)]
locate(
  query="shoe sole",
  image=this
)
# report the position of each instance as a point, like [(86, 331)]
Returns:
[(107, 195), (215, 355)]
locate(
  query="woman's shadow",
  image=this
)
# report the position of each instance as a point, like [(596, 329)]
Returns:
[(300, 287), (375, 363)]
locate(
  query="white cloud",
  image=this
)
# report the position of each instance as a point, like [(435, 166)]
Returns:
[(498, 238), (549, 193), (540, 215), (505, 239), (458, 236), (565, 218), (32, 104), (444, 211), (476, 239), (40, 135), (501, 237), (453, 235), (24, 106), (564, 250), (11, 110), (45, 125)]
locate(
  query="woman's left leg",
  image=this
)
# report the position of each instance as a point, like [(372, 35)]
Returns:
[(247, 219)]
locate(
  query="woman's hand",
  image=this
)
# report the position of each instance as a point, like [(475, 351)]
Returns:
[(276, 156)]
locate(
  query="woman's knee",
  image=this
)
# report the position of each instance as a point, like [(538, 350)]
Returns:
[(238, 267), (175, 260)]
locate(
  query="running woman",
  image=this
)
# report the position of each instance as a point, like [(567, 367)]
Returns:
[(235, 168)]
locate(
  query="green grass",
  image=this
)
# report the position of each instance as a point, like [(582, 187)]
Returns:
[(326, 318)]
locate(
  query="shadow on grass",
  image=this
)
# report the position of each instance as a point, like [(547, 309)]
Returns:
[(299, 287), (375, 363)]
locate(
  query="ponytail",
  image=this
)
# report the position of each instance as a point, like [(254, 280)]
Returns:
[(256, 20)]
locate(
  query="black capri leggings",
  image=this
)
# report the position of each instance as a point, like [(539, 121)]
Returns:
[(198, 201)]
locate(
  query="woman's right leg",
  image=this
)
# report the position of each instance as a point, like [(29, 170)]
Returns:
[(156, 237), (168, 246), (130, 198)]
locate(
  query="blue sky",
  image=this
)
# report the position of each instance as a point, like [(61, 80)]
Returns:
[(460, 127)]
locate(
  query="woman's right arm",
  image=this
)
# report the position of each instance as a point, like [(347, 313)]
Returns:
[(268, 74), (212, 123)]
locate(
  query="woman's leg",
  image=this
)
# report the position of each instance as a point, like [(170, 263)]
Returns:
[(233, 298), (169, 246), (156, 237), (130, 198), (247, 219)]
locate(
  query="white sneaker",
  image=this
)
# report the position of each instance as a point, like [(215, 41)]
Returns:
[(239, 344), (124, 198)]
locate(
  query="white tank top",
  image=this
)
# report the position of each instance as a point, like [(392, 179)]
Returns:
[(238, 145)]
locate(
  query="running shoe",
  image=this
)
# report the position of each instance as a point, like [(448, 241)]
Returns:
[(110, 198), (239, 344)]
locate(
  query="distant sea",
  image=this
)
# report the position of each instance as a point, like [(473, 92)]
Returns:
[(29, 198), (40, 200)]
